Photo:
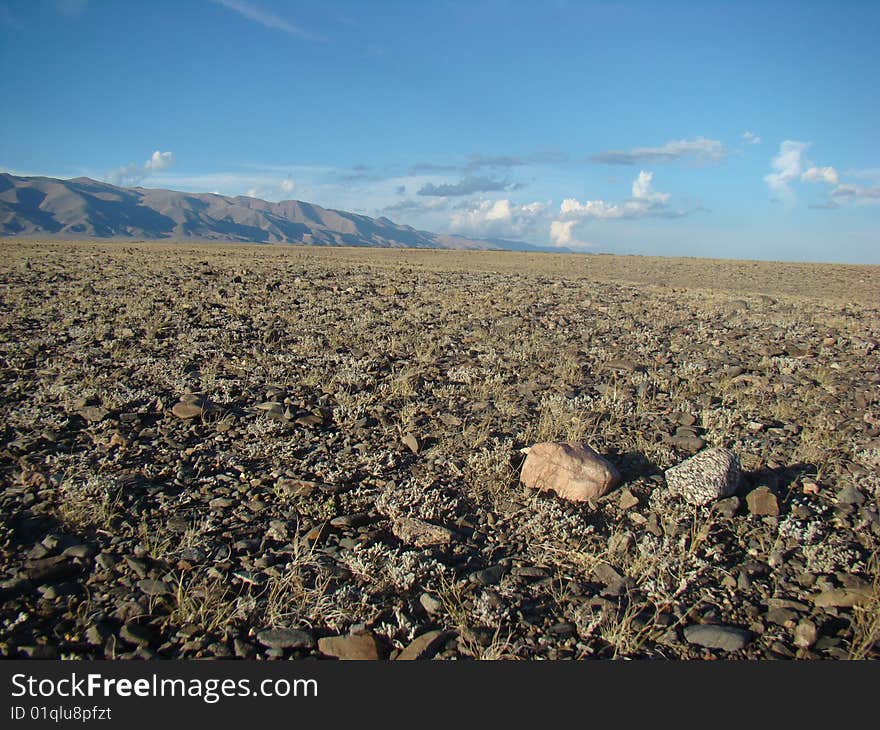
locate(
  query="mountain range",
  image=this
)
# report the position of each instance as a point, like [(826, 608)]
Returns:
[(86, 208)]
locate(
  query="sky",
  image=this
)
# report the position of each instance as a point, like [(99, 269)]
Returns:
[(719, 129)]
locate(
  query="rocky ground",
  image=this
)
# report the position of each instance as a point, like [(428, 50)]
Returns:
[(287, 452)]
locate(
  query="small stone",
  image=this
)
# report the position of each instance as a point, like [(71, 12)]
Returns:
[(687, 442), (153, 587), (627, 499), (243, 649), (356, 519), (710, 475), (412, 443), (781, 616), (187, 410), (420, 533), (717, 636), (94, 414), (106, 561), (805, 634), (97, 634), (422, 647), (286, 639), (135, 634), (221, 503), (431, 604), (488, 576), (572, 470), (318, 533), (843, 597), (357, 647), (621, 365), (727, 507), (762, 502)]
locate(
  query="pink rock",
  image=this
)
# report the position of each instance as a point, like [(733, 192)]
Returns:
[(572, 470)]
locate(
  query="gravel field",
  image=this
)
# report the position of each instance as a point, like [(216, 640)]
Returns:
[(284, 452)]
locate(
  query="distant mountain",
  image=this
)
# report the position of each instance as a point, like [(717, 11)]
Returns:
[(86, 208)]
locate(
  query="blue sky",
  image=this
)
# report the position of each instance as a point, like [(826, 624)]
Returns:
[(724, 129)]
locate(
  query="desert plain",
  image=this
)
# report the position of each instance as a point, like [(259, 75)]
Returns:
[(281, 452)]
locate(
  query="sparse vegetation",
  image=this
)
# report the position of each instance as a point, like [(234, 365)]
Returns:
[(202, 444)]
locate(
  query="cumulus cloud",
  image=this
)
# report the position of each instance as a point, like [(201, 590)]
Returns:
[(467, 186), (287, 185), (645, 202), (751, 137), (790, 165), (497, 218), (159, 161), (131, 175), (561, 234), (641, 189), (700, 149), (266, 18), (821, 174), (787, 166)]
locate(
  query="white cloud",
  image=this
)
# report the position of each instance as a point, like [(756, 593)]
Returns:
[(496, 218), (265, 17), (790, 165), (641, 189), (821, 174), (159, 161), (131, 175), (701, 148), (287, 186), (645, 202), (560, 232), (787, 166), (751, 137)]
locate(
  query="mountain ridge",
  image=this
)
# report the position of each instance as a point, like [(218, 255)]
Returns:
[(85, 208)]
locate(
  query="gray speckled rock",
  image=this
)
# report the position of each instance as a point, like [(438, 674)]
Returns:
[(712, 636), (711, 474)]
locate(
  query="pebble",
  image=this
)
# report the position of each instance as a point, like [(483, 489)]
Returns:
[(420, 533), (627, 500), (717, 636), (94, 414), (187, 411), (762, 502), (357, 647), (843, 597), (805, 634), (153, 587), (284, 638), (136, 634), (431, 604), (687, 443), (488, 576), (422, 647)]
